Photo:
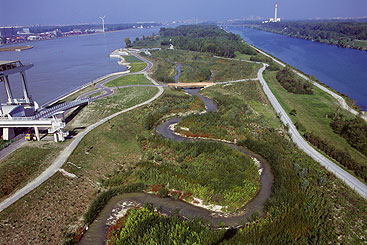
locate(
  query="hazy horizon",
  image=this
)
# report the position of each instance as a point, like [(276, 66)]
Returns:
[(41, 12)]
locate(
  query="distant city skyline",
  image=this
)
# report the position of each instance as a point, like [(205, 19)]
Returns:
[(41, 12)]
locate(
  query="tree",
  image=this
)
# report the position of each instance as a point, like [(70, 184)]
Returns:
[(127, 42)]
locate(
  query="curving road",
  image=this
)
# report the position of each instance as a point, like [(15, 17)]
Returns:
[(349, 179), (346, 177), (64, 155)]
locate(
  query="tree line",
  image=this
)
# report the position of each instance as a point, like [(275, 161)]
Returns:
[(353, 130), (202, 38), (350, 34), (342, 156)]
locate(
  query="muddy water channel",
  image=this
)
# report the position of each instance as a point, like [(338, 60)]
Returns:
[(97, 232)]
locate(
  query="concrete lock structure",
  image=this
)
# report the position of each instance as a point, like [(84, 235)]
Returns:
[(25, 112)]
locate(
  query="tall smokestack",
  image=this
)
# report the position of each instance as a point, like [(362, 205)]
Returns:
[(276, 11)]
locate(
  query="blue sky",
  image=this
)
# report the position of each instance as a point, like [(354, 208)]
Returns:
[(48, 12)]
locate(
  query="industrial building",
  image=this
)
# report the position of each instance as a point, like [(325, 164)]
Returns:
[(25, 112), (275, 19)]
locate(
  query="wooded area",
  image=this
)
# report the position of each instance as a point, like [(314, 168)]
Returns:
[(202, 38)]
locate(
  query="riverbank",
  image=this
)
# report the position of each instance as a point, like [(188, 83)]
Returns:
[(339, 97), (341, 43), (340, 69), (15, 48)]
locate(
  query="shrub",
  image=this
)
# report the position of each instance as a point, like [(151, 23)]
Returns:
[(99, 203), (292, 84), (273, 67), (149, 121), (261, 58), (293, 112), (343, 157), (354, 131), (163, 192), (144, 226)]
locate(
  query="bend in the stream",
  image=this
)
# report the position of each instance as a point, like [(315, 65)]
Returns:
[(98, 230)]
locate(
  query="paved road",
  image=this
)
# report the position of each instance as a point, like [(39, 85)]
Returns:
[(11, 148), (349, 179), (64, 155)]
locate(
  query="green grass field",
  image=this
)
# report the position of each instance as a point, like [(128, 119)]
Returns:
[(138, 79), (131, 59), (311, 113), (136, 67), (25, 164)]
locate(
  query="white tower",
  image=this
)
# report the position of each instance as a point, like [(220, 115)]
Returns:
[(102, 18), (275, 19)]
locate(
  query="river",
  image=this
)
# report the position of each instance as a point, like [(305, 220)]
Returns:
[(63, 64), (344, 70), (97, 231)]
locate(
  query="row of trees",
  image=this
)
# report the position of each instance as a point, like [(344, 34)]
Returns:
[(343, 157), (293, 84), (354, 131)]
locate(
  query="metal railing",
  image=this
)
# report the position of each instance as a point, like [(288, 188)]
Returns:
[(45, 113), (61, 107)]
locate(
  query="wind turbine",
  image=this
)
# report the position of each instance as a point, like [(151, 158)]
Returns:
[(102, 18)]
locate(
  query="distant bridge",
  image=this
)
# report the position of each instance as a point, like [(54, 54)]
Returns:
[(191, 85)]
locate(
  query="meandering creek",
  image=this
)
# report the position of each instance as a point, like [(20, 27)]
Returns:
[(97, 231)]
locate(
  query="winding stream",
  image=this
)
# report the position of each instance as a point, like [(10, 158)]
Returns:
[(97, 231)]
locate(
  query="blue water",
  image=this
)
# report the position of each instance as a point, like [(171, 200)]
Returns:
[(344, 70), (63, 64)]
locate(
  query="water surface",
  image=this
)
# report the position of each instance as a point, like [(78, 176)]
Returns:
[(344, 70), (62, 64)]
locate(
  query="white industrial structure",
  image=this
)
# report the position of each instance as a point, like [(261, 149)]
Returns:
[(275, 19), (24, 112), (102, 18)]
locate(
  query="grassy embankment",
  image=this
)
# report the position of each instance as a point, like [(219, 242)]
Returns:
[(136, 64), (25, 164), (139, 79), (199, 67), (312, 115)]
